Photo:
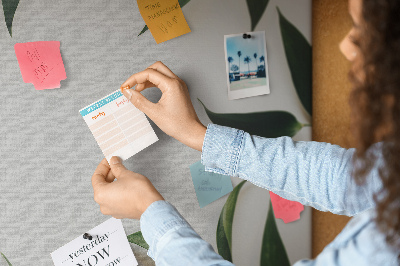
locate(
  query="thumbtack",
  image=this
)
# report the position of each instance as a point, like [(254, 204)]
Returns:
[(87, 236), (246, 36), (125, 88)]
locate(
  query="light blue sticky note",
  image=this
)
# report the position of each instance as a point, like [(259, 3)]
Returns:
[(209, 186)]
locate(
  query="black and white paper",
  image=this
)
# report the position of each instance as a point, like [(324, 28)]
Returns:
[(108, 247)]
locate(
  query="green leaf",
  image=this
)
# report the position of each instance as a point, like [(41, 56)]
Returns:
[(9, 263), (268, 124), (137, 238), (9, 7), (256, 10), (145, 28), (273, 251), (222, 241), (298, 55), (229, 211), (182, 3), (224, 228)]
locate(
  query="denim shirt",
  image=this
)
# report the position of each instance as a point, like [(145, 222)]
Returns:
[(312, 173)]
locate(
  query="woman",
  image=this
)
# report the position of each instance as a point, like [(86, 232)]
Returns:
[(362, 181)]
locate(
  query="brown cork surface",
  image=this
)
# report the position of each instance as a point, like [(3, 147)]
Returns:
[(331, 88)]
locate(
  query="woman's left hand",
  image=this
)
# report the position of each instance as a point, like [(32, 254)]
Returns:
[(127, 197)]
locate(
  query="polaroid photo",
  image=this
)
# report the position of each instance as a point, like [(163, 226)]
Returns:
[(246, 64)]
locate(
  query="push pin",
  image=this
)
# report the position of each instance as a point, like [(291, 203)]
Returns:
[(246, 36), (125, 88), (87, 236)]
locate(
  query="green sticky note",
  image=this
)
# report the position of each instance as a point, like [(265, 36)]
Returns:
[(209, 186)]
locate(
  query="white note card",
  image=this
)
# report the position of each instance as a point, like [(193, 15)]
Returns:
[(118, 126), (108, 247)]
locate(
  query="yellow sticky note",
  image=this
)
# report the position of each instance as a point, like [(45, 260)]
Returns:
[(164, 18)]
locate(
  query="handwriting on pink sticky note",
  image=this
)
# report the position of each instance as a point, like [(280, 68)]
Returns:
[(284, 209), (41, 63)]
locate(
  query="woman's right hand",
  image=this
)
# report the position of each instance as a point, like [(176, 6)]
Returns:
[(173, 113)]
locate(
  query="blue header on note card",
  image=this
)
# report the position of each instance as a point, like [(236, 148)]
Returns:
[(100, 103)]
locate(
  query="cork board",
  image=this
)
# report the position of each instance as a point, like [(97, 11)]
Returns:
[(331, 89), (43, 134)]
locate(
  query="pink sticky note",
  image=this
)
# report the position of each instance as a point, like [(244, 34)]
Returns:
[(41, 63), (284, 209)]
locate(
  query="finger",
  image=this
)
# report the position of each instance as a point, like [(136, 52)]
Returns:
[(142, 86), (100, 174), (160, 67), (110, 177), (140, 102), (117, 167), (159, 80), (105, 211), (117, 216)]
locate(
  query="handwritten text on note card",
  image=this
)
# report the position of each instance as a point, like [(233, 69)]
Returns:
[(209, 186), (109, 246), (164, 18), (41, 63)]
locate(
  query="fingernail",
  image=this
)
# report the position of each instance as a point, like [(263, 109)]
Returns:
[(115, 160), (124, 88), (129, 92)]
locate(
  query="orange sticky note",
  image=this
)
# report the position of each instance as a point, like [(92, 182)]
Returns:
[(284, 209), (41, 63), (164, 18)]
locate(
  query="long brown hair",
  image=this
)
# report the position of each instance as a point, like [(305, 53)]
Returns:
[(375, 103)]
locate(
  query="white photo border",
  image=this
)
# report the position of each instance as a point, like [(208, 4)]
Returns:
[(248, 92)]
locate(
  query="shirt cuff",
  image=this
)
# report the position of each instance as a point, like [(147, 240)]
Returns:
[(158, 219), (221, 150)]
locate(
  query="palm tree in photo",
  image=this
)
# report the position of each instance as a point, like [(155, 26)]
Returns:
[(239, 54), (255, 60), (230, 60), (262, 59), (234, 68), (261, 68), (247, 60)]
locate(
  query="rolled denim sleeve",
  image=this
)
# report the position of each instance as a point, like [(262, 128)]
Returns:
[(313, 173), (172, 241)]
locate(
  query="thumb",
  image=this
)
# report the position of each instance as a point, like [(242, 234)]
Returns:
[(99, 176), (117, 167), (138, 100)]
